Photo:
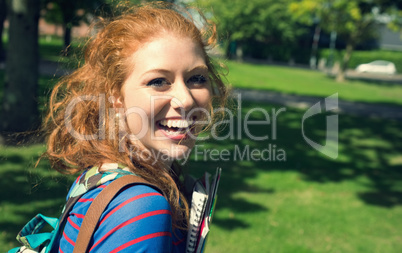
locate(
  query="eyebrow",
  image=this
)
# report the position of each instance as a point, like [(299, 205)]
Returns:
[(199, 67)]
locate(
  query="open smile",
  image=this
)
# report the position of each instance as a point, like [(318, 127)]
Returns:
[(175, 128)]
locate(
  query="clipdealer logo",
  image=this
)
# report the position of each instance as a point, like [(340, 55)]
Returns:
[(330, 148), (239, 127)]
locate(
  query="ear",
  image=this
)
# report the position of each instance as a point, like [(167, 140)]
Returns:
[(117, 102)]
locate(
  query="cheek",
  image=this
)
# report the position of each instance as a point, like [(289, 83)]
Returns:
[(137, 123), (141, 115), (202, 97), (138, 112)]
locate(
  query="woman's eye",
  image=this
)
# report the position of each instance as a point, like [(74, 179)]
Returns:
[(198, 79), (158, 82)]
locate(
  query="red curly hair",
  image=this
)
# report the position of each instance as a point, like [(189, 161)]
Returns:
[(106, 67)]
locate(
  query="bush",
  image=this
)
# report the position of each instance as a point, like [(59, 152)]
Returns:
[(359, 57), (275, 52)]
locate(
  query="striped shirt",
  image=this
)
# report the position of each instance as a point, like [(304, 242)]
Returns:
[(138, 219)]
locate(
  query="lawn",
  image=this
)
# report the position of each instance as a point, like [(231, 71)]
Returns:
[(311, 203), (27, 190), (299, 201), (310, 82), (51, 49), (263, 77)]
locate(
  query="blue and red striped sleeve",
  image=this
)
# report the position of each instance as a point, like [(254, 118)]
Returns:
[(138, 219)]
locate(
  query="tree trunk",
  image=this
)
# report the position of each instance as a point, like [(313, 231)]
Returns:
[(20, 106), (67, 39), (69, 9), (3, 15), (231, 49), (239, 53), (340, 77), (227, 50)]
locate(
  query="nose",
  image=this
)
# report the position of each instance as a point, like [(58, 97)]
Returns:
[(182, 97)]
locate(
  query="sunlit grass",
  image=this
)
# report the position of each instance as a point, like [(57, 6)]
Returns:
[(307, 203), (310, 202), (309, 82)]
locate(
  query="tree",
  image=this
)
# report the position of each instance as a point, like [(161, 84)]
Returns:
[(264, 21), (3, 14), (20, 109), (353, 20), (68, 13), (393, 9)]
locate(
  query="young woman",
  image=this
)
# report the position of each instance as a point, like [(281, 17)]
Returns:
[(145, 91)]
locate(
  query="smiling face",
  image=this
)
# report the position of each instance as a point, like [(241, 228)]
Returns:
[(167, 92)]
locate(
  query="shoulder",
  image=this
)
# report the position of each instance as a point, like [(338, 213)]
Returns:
[(133, 200), (137, 198), (139, 217)]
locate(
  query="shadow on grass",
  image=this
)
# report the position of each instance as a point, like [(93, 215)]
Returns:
[(27, 191), (366, 150)]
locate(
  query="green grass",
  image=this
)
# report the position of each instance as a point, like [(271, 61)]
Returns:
[(266, 77), (308, 203), (360, 57), (26, 190), (311, 203), (51, 49), (311, 83)]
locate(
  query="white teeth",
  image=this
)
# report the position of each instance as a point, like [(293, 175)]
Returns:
[(181, 123)]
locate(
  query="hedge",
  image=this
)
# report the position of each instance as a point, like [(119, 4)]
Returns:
[(359, 57)]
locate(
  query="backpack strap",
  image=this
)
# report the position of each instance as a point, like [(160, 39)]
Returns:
[(99, 205)]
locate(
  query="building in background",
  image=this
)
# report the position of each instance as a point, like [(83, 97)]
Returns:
[(388, 39)]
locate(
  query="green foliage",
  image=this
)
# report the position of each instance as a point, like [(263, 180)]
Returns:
[(278, 53), (396, 20), (70, 12), (393, 8), (1, 85), (360, 57), (339, 15), (354, 20), (256, 21)]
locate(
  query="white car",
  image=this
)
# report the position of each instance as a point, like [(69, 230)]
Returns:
[(383, 67)]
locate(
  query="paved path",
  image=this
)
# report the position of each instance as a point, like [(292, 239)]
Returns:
[(303, 102)]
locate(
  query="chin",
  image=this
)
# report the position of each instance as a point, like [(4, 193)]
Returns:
[(175, 152)]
